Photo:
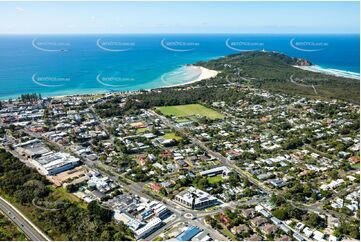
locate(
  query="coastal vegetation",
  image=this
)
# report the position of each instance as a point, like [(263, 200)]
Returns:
[(30, 97), (9, 231), (276, 72), (70, 220), (270, 71), (168, 97)]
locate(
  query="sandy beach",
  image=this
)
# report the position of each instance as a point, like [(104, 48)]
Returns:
[(204, 74), (333, 72)]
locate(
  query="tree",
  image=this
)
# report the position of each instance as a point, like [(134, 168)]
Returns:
[(313, 220), (280, 213), (105, 236), (348, 228), (37, 187), (234, 179), (277, 200), (103, 214), (201, 182), (211, 221), (72, 222), (72, 187), (293, 143)]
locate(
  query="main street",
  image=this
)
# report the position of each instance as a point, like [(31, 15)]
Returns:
[(138, 189), (29, 229)]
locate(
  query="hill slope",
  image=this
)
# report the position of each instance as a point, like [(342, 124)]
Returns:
[(276, 72)]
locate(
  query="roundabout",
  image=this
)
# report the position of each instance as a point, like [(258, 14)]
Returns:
[(188, 216)]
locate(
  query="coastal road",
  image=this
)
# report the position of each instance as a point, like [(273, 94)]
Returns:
[(29, 229)]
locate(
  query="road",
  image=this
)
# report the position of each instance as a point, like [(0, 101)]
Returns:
[(217, 155), (177, 210), (317, 207), (29, 229), (35, 234), (302, 85)]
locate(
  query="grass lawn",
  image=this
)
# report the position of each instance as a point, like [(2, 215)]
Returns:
[(96, 96), (229, 234), (60, 193), (190, 110), (142, 130), (215, 179), (172, 136), (182, 120), (209, 209)]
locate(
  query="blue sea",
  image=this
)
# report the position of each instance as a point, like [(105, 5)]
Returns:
[(56, 65)]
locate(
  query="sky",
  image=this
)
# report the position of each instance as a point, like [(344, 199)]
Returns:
[(178, 17)]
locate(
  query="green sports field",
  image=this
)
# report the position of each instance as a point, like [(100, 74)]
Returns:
[(190, 110)]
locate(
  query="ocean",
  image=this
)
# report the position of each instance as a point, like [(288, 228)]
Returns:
[(56, 65)]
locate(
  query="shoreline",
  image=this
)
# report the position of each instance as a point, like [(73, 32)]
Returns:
[(204, 74), (330, 71)]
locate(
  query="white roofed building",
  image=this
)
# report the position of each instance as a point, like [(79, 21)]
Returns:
[(53, 163), (196, 199)]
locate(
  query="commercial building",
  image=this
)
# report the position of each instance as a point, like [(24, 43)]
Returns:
[(133, 223), (161, 211), (51, 163), (149, 228), (216, 171), (142, 216), (196, 199), (31, 149), (189, 233)]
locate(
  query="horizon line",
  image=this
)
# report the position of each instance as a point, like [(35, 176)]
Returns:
[(184, 33)]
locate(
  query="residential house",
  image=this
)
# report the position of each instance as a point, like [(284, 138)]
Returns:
[(269, 229)]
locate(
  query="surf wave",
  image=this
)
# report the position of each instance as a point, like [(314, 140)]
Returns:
[(181, 75), (331, 71)]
